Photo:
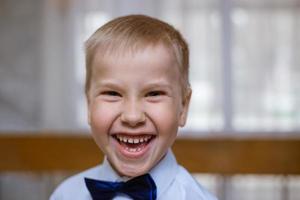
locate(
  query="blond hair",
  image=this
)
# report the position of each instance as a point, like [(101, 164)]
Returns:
[(134, 32)]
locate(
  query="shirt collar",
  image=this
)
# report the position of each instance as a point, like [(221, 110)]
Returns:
[(163, 173), (107, 173)]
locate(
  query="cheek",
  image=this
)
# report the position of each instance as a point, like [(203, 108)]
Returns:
[(166, 118), (102, 116)]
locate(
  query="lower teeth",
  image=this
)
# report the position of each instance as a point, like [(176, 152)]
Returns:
[(133, 149)]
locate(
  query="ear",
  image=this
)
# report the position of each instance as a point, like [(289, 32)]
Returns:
[(88, 110), (185, 107), (89, 116)]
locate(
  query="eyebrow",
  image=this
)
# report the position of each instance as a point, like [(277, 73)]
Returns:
[(159, 84), (109, 83), (115, 84)]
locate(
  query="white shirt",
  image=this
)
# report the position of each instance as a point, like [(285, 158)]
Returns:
[(173, 182)]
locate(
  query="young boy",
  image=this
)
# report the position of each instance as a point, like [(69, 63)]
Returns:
[(138, 95)]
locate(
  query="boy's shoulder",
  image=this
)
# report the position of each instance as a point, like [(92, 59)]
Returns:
[(74, 186), (191, 189)]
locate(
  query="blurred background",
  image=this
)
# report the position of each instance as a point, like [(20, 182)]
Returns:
[(245, 69)]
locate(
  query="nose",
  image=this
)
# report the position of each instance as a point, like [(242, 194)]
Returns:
[(133, 114)]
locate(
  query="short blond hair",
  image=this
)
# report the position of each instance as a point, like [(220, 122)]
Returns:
[(134, 32)]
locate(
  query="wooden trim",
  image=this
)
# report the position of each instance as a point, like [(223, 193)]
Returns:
[(40, 153), (240, 156)]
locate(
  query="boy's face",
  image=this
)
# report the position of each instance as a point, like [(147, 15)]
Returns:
[(135, 107)]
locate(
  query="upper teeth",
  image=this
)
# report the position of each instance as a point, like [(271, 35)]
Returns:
[(133, 140)]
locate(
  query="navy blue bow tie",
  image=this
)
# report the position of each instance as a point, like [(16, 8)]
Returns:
[(139, 188)]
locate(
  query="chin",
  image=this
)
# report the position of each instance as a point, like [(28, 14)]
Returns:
[(132, 170)]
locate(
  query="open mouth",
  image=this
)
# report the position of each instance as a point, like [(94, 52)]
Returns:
[(133, 144)]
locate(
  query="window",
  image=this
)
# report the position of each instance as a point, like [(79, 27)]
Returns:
[(265, 62)]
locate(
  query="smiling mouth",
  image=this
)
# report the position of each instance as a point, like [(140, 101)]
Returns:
[(133, 144)]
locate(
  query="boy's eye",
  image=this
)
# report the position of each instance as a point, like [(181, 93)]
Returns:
[(155, 93), (111, 93)]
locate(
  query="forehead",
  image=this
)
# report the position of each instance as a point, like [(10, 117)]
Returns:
[(156, 57)]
